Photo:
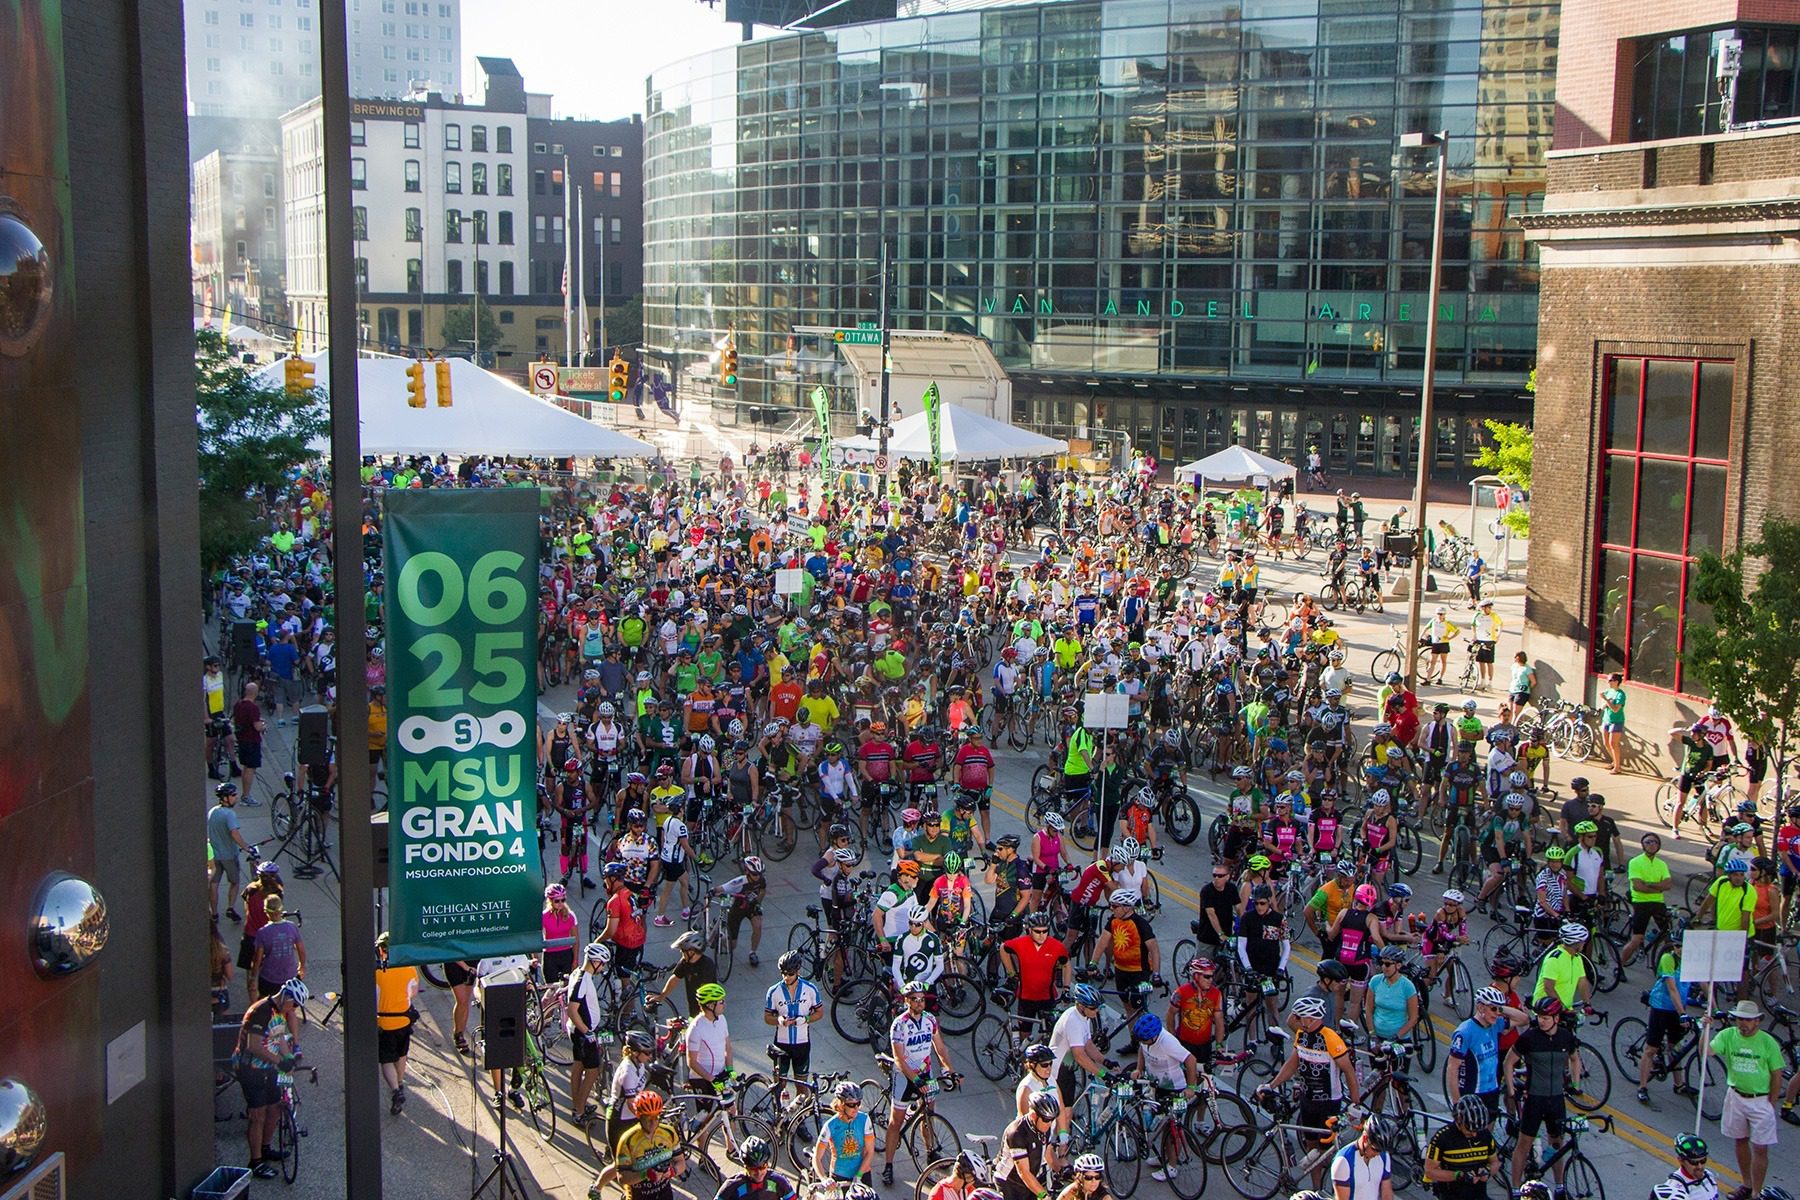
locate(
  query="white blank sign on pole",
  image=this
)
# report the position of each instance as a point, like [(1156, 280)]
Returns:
[(1713, 955), (787, 582), (1105, 710)]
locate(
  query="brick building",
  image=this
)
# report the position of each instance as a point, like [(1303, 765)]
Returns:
[(1670, 251)]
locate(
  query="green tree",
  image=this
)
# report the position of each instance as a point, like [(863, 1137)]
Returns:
[(458, 322), (1509, 457), (252, 433), (1747, 657), (625, 323)]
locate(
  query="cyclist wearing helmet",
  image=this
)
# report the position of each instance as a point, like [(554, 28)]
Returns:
[(1046, 853), (973, 771), (924, 759), (1474, 1067), (1505, 843), (791, 1005), (1552, 1059), (1691, 1179), (647, 1157), (845, 1149), (875, 760), (1330, 900), (919, 953), (1023, 1169), (1461, 793), (1462, 1156), (1007, 875), (1362, 1170), (226, 840), (758, 1180), (1195, 1010), (708, 1044), (624, 929), (1322, 1062), (1447, 929), (916, 1043), (747, 892), (584, 1014), (694, 968), (1040, 1060), (265, 1047), (1563, 973), (1072, 1038), (1357, 934), (559, 934), (1034, 960), (893, 909), (1391, 1010), (606, 738), (1263, 943), (629, 1078), (635, 793), (837, 778), (1128, 942)]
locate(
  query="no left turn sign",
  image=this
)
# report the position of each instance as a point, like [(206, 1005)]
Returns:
[(543, 377)]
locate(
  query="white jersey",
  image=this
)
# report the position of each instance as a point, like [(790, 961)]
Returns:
[(606, 738), (1071, 1030)]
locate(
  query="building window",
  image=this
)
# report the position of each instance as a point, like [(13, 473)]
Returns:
[(481, 227), (212, 18), (478, 139), (599, 179), (411, 171), (452, 177), (453, 137), (556, 230), (617, 185), (358, 134), (599, 230), (618, 231), (478, 178), (537, 182), (538, 229), (359, 224), (503, 180), (359, 175), (556, 182), (361, 266), (506, 229), (453, 275), (506, 279), (481, 277), (411, 135), (415, 275), (539, 148), (453, 225), (1667, 451), (618, 152), (615, 279), (415, 225), (503, 139)]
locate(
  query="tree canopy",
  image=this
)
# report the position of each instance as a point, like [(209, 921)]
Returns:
[(252, 434), (458, 323), (1509, 457)]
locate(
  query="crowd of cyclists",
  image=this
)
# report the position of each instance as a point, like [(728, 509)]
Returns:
[(758, 666)]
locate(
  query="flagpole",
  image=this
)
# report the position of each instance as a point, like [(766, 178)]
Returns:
[(581, 270), (568, 238), (585, 323)]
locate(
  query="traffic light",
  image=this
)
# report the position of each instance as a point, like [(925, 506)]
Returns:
[(443, 381), (299, 375), (728, 365), (618, 373), (415, 384)]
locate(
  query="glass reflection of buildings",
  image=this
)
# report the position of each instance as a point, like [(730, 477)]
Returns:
[(1189, 220)]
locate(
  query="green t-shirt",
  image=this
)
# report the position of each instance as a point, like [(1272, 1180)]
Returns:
[(1567, 969), (1751, 1063), (1732, 906), (687, 674), (1644, 869), (940, 846), (1469, 729)]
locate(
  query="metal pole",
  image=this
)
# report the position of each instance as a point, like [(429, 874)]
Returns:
[(476, 329), (362, 1101), (882, 320), (1426, 420)]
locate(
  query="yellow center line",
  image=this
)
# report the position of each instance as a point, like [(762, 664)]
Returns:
[(1626, 1126)]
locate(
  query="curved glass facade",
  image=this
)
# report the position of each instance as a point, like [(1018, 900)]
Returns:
[(1181, 202)]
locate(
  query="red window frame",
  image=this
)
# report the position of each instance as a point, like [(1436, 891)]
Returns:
[(1637, 456)]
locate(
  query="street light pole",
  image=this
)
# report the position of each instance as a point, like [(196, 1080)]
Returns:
[(882, 319), (475, 330), (1427, 425)]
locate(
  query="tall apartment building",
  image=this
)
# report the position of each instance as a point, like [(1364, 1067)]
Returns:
[(441, 210), (261, 57), (606, 169), (239, 263)]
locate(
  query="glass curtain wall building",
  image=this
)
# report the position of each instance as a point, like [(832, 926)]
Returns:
[(1190, 220)]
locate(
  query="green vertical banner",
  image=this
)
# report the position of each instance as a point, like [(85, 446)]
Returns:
[(462, 571), (822, 411), (932, 424)]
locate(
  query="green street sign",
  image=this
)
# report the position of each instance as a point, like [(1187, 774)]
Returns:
[(857, 337)]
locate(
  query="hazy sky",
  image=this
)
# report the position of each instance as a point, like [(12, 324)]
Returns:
[(568, 47)]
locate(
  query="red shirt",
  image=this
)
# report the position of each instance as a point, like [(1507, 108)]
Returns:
[(974, 767), (877, 760), (1091, 886), (628, 933), (784, 700), (921, 761), (1197, 1010), (1037, 965)]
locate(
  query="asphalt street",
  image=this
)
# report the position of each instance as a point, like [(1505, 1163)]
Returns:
[(442, 1143)]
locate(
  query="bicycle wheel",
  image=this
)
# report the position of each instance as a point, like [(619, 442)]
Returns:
[(1382, 664), (1596, 1081), (281, 817), (1581, 1180), (1122, 1150), (721, 948), (1185, 950), (1424, 1040), (1409, 851), (801, 1129), (1225, 1127), (1603, 964), (1184, 820), (960, 1002), (935, 1173), (539, 1103), (1457, 990), (927, 1138), (991, 1044), (1261, 1173), (852, 1010), (1695, 889), (1629, 1034), (287, 1143), (1581, 742), (1152, 894), (1666, 798), (547, 1029), (1182, 1159), (1773, 982)]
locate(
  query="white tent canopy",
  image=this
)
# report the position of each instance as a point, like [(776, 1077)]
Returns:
[(964, 435), (1235, 464), (488, 415)]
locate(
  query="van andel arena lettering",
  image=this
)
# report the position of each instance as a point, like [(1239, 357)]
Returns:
[(1021, 305)]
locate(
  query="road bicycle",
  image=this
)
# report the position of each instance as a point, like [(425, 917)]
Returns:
[(1283, 1162), (1107, 1122), (544, 1005), (724, 1116), (1711, 803), (1680, 1061), (986, 1164), (1570, 730), (821, 950), (998, 1041), (528, 1085), (926, 1135), (1581, 1178), (1389, 1092), (288, 1129)]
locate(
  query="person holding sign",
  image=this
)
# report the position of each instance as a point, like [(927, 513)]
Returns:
[(1753, 1066)]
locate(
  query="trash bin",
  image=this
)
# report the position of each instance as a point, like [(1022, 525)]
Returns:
[(225, 1183)]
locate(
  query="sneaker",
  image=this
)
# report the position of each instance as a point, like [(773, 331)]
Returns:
[(887, 1174), (264, 1170), (1740, 1193), (232, 914), (397, 1101), (687, 913), (1161, 1175), (462, 1044), (249, 802), (1790, 1116), (270, 1154), (755, 961), (587, 881), (587, 1114), (662, 922), (1643, 1095), (518, 1099), (1438, 870)]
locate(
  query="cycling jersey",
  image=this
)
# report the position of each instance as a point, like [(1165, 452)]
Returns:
[(849, 1140), (913, 1036), (1318, 1074), (1476, 1047), (774, 1186)]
